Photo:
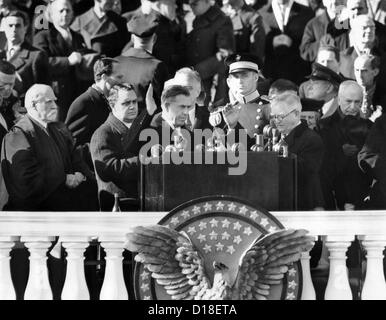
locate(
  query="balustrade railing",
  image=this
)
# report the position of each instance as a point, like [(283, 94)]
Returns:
[(76, 229)]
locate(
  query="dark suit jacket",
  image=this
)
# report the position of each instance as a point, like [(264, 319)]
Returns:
[(170, 37), (372, 160), (86, 114), (32, 66), (140, 69), (58, 50), (35, 161), (308, 147), (315, 29), (284, 62), (250, 33), (340, 173), (114, 150), (211, 31), (107, 36)]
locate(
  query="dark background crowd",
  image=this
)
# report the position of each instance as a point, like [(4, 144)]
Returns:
[(86, 62)]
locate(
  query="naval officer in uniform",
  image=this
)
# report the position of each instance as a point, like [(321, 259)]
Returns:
[(247, 110)]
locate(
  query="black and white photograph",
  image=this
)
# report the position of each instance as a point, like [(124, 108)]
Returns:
[(169, 150)]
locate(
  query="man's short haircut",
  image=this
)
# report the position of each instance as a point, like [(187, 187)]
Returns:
[(332, 49), (7, 67), (289, 99), (18, 14), (283, 85), (348, 83), (192, 74), (375, 61), (114, 92), (103, 66), (171, 92)]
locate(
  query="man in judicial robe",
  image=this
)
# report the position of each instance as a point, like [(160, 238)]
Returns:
[(41, 168), (247, 109), (115, 148), (103, 30)]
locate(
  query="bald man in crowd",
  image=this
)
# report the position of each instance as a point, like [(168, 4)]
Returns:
[(344, 185), (41, 168), (305, 143)]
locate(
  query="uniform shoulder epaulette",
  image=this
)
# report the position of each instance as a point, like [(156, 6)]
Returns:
[(265, 99)]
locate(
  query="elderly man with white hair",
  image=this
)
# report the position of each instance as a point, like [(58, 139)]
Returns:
[(305, 143), (363, 40), (41, 168), (344, 185)]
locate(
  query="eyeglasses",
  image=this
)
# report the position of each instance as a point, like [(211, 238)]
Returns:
[(281, 117)]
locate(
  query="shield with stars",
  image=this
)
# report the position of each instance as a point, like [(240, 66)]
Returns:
[(222, 228)]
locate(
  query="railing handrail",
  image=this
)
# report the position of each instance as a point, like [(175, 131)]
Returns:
[(108, 224)]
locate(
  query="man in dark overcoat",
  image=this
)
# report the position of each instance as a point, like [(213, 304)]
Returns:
[(284, 22), (103, 30), (115, 149)]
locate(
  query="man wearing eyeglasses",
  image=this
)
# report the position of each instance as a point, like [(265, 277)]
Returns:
[(247, 110), (305, 144)]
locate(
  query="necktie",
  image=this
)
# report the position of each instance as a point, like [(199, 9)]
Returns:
[(67, 37), (10, 53)]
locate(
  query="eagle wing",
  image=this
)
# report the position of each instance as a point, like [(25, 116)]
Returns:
[(172, 260), (266, 263)]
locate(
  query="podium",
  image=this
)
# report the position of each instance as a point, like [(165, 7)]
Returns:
[(269, 182)]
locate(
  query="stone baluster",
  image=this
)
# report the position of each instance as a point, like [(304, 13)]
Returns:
[(7, 290), (308, 291), (374, 287), (38, 286), (113, 287), (75, 286), (338, 286)]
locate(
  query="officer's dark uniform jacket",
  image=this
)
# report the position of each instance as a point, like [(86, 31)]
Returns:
[(253, 114)]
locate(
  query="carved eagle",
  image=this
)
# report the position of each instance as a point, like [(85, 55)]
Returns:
[(178, 266)]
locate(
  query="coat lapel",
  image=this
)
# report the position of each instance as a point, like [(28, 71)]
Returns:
[(20, 58)]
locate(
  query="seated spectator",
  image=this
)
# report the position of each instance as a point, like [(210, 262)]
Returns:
[(31, 64), (248, 27), (316, 29), (372, 160), (139, 66), (115, 148), (103, 30), (305, 143), (64, 48), (344, 185), (367, 68), (41, 168), (91, 109)]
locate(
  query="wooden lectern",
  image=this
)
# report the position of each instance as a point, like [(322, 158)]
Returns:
[(269, 181)]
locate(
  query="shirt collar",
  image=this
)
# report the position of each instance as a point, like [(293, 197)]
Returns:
[(248, 98), (99, 13), (166, 118), (42, 123)]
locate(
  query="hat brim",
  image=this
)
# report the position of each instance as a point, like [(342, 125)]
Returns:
[(242, 69)]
